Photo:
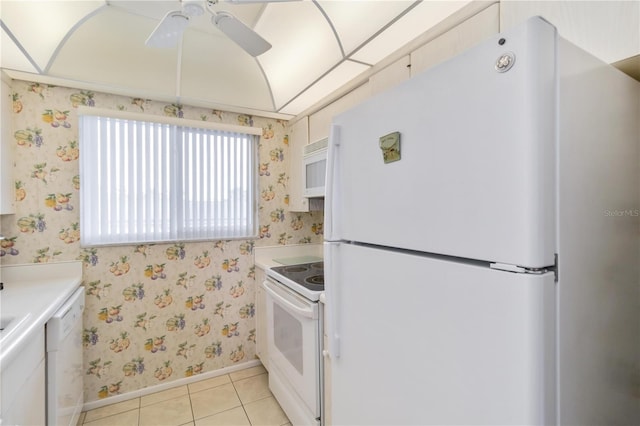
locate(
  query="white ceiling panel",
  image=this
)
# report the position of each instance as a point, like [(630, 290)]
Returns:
[(213, 69), (304, 47), (11, 57), (30, 22), (420, 19), (370, 16), (317, 47), (109, 48), (149, 9)]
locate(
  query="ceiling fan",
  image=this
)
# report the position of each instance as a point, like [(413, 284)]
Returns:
[(170, 29)]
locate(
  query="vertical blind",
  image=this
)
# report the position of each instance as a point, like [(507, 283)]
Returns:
[(145, 182)]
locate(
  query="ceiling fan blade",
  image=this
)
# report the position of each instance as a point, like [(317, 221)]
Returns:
[(168, 31), (242, 35)]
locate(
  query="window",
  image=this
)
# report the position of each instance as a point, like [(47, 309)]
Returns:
[(168, 180)]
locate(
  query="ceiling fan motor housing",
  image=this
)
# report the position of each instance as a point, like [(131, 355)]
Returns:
[(192, 8)]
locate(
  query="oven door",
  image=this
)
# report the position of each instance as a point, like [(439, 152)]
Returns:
[(293, 339)]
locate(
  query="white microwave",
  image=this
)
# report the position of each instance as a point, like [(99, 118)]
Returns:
[(314, 171)]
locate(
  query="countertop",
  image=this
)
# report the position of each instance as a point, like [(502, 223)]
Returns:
[(32, 294), (267, 257)]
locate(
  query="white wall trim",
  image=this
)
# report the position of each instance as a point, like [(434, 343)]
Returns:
[(164, 386)]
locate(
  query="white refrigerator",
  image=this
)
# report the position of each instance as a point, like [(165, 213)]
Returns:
[(482, 242)]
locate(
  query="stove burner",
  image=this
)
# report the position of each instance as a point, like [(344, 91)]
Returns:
[(309, 276), (295, 268), (316, 279)]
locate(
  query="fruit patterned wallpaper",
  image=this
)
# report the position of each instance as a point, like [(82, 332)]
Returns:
[(155, 313)]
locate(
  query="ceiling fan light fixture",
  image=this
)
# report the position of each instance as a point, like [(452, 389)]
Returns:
[(178, 21), (192, 8)]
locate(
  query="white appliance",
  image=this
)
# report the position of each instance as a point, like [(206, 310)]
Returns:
[(64, 362), (294, 333), (490, 274), (315, 168)]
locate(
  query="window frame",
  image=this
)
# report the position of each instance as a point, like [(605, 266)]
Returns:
[(177, 124)]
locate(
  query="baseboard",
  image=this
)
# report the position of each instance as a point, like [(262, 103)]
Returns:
[(164, 386)]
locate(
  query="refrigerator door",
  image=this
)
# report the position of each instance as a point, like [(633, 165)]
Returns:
[(476, 171), (419, 340)]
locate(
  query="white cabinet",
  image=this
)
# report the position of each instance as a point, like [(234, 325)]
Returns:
[(461, 37), (261, 320), (391, 75), (298, 138), (23, 386), (7, 192)]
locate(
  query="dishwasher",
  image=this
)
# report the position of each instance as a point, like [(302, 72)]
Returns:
[(64, 362)]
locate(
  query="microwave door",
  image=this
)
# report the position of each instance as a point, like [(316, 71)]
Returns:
[(315, 172)]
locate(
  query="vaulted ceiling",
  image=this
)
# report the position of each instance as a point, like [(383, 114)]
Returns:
[(317, 46)]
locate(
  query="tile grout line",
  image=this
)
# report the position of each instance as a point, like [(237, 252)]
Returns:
[(233, 383), (193, 414), (84, 422), (189, 394)]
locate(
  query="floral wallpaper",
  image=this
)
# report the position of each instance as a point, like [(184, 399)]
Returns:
[(154, 313)]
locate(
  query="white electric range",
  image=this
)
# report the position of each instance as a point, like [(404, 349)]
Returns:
[(294, 339)]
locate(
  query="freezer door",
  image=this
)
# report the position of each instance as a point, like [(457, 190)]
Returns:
[(417, 340), (475, 175)]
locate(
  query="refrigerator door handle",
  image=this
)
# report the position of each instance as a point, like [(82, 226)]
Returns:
[(331, 293), (330, 188)]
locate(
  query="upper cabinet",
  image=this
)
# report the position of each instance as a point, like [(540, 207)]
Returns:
[(461, 32), (391, 75), (298, 138), (463, 36), (472, 28), (7, 193)]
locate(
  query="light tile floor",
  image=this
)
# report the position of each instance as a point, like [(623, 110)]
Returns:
[(239, 398)]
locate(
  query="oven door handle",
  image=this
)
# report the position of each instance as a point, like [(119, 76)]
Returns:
[(281, 299)]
